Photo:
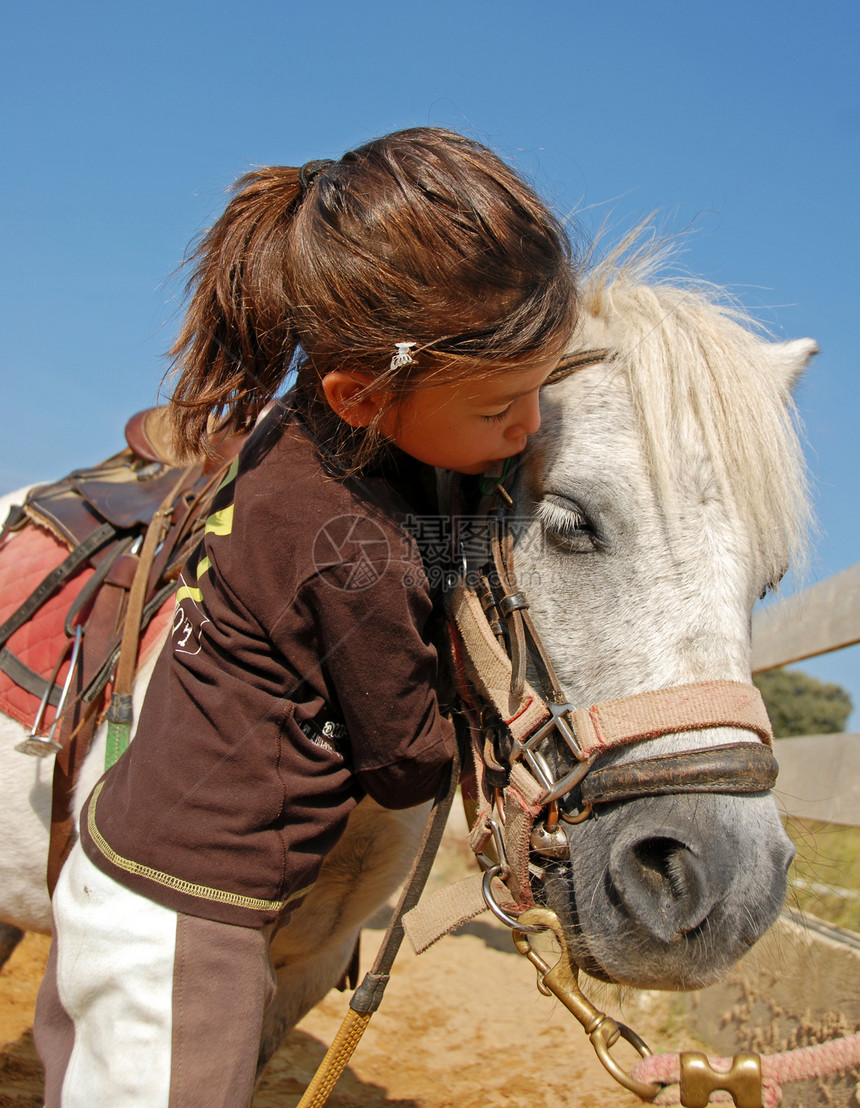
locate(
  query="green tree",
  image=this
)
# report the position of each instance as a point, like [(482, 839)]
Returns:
[(800, 705)]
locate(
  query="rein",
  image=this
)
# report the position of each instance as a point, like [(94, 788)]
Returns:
[(368, 996)]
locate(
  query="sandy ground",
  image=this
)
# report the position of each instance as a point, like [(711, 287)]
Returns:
[(463, 1024)]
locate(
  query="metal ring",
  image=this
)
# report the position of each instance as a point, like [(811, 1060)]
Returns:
[(580, 817), (603, 1037), (497, 910)]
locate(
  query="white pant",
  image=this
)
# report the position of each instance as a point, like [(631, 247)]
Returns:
[(143, 1007)]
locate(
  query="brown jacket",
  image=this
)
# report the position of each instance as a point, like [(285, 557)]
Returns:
[(298, 677)]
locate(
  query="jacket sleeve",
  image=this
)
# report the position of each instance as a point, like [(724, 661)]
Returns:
[(374, 649)]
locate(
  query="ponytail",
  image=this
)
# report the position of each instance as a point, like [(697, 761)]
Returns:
[(422, 237), (238, 338)]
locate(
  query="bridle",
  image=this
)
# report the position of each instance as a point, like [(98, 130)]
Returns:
[(585, 735), (537, 753)]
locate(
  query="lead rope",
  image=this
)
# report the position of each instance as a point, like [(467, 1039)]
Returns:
[(368, 996), (678, 1071), (689, 1078)]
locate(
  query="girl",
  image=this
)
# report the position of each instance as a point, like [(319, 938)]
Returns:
[(423, 294)]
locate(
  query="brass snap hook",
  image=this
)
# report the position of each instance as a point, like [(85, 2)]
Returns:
[(561, 980)]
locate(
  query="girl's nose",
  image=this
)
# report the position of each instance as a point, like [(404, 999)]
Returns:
[(527, 418)]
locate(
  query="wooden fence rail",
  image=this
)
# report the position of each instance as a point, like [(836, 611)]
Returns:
[(822, 618), (801, 983), (819, 776)]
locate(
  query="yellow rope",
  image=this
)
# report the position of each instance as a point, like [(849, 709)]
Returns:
[(369, 993), (336, 1059)]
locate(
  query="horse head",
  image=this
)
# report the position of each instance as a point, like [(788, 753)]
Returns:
[(663, 495)]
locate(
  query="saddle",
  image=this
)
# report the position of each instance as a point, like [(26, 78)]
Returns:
[(113, 539)]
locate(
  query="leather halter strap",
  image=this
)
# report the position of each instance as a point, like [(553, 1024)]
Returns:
[(647, 715), (541, 733), (735, 768), (523, 640), (500, 679), (570, 363), (484, 665)]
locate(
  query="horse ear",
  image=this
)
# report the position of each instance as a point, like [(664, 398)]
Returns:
[(790, 359)]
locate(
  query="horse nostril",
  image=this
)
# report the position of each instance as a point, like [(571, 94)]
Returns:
[(663, 886), (662, 865)]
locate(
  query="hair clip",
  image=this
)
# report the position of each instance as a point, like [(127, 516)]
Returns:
[(403, 356)]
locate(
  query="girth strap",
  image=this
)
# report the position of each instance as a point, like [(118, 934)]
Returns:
[(27, 678)]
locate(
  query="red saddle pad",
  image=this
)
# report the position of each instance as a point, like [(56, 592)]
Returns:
[(26, 558)]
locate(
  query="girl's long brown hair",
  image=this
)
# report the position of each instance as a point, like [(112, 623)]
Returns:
[(422, 236)]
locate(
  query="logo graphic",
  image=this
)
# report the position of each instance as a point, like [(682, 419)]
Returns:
[(356, 543), (189, 619), (186, 631)]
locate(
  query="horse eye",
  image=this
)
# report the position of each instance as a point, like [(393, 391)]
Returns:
[(566, 522)]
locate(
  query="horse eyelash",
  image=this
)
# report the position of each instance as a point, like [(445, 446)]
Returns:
[(562, 521)]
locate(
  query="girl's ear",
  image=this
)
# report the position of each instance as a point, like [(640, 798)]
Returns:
[(347, 397)]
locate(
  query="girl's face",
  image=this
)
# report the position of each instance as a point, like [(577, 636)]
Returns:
[(468, 426)]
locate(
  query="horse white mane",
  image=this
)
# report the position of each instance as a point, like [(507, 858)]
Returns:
[(693, 359)]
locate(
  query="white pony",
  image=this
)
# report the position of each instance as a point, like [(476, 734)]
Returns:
[(663, 495)]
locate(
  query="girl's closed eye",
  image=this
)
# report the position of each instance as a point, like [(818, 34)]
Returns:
[(497, 417)]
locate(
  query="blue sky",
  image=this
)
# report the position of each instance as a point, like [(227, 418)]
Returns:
[(124, 125)]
